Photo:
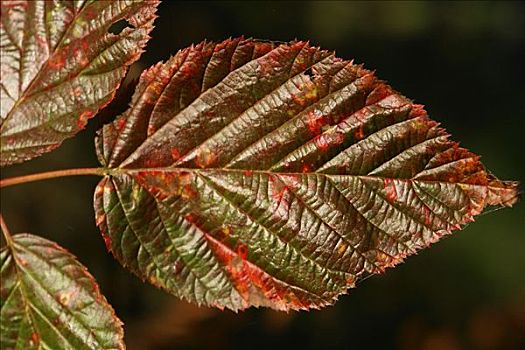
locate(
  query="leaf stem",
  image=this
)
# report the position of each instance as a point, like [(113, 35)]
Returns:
[(51, 175), (5, 231)]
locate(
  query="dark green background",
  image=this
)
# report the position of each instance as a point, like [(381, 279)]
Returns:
[(464, 60)]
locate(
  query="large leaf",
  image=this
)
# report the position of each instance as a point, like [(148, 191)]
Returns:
[(246, 173), (60, 65), (50, 301)]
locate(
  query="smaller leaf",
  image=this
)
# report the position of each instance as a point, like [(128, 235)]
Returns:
[(60, 65), (50, 301)]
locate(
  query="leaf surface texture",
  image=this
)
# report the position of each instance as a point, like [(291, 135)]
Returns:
[(248, 173)]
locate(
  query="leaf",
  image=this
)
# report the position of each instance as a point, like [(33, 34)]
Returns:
[(247, 174), (50, 301), (60, 66)]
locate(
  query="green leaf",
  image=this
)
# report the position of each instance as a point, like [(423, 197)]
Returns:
[(60, 66), (50, 301), (252, 174)]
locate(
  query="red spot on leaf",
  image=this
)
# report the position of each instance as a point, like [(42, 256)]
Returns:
[(190, 218), (315, 121), (306, 168), (188, 192), (390, 188), (253, 284), (326, 140), (321, 143), (175, 153), (121, 123), (35, 339), (280, 194), (350, 281), (359, 134), (90, 13), (242, 251), (278, 189), (58, 60), (83, 118)]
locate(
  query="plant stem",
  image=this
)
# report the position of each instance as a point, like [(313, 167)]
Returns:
[(5, 231), (51, 175)]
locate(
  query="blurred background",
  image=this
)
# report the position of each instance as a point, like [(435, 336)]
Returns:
[(463, 60)]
